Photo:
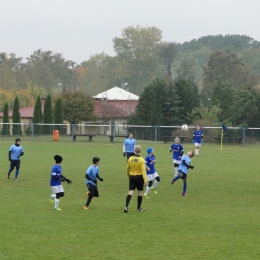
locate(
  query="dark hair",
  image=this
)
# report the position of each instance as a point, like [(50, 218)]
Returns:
[(57, 158), (95, 160), (17, 140)]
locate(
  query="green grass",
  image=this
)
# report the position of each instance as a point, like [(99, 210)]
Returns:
[(219, 219)]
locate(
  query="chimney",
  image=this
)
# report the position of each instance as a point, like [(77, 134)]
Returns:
[(42, 102)]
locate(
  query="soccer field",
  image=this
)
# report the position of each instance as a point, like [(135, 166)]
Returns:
[(219, 218)]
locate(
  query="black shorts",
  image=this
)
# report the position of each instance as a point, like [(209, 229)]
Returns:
[(15, 163), (182, 174), (128, 155), (136, 182), (93, 190)]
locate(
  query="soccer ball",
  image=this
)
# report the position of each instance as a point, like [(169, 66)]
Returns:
[(185, 127)]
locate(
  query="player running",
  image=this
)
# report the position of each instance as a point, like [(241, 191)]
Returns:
[(178, 151), (197, 139), (129, 146), (183, 170), (92, 174), (151, 172), (55, 182)]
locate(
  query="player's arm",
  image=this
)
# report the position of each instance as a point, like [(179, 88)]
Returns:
[(143, 171), (127, 169), (88, 176), (63, 178), (21, 154), (9, 155), (101, 179), (146, 166), (170, 150), (124, 149)]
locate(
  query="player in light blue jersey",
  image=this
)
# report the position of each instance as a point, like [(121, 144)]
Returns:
[(197, 139), (92, 174), (55, 182), (15, 152), (129, 146), (178, 151), (151, 173), (183, 170)]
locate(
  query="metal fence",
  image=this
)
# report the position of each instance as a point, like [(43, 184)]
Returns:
[(115, 133)]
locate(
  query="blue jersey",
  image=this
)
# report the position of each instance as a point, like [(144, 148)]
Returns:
[(16, 152), (92, 172), (56, 172), (129, 144), (177, 151), (197, 136), (183, 167), (149, 162)]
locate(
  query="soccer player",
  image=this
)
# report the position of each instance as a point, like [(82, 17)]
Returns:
[(197, 139), (136, 173), (15, 152), (183, 170), (151, 172), (92, 174), (55, 182), (129, 146), (178, 151)]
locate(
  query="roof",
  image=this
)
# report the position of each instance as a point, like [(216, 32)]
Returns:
[(116, 93), (25, 112)]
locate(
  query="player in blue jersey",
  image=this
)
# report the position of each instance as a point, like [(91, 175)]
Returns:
[(55, 182), (151, 172), (178, 151), (183, 170), (129, 146), (197, 139), (92, 174), (15, 152)]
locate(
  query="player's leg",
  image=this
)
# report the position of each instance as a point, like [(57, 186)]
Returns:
[(197, 149), (91, 194), (150, 184), (180, 174), (184, 178), (12, 165), (132, 187), (156, 182), (17, 167), (176, 165), (140, 186), (59, 194)]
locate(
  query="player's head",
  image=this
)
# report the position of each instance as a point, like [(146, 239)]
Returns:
[(57, 158), (190, 153), (95, 160), (130, 135), (137, 149), (150, 150), (197, 127), (177, 140), (17, 141)]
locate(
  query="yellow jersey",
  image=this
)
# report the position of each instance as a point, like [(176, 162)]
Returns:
[(136, 166)]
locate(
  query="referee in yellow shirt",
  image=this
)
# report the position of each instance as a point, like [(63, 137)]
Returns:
[(136, 173)]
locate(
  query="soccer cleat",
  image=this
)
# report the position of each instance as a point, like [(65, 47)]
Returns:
[(184, 194), (15, 179), (154, 190), (126, 209), (8, 177), (140, 210), (147, 196), (87, 194), (85, 207), (172, 181), (57, 209)]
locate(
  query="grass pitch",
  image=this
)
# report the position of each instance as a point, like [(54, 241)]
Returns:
[(219, 219)]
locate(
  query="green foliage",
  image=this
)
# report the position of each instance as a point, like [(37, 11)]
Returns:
[(47, 115), (17, 130), (58, 115), (77, 106), (6, 127), (37, 116)]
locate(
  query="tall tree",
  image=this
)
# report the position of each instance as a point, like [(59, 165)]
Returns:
[(17, 130), (6, 127), (37, 116), (58, 115), (77, 106), (47, 115)]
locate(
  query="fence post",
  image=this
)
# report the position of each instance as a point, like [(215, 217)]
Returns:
[(244, 136), (72, 131), (32, 131), (155, 133)]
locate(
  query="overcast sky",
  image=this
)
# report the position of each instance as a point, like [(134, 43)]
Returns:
[(80, 28)]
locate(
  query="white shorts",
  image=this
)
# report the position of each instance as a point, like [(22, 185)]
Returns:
[(151, 177), (197, 144), (176, 161), (57, 189)]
